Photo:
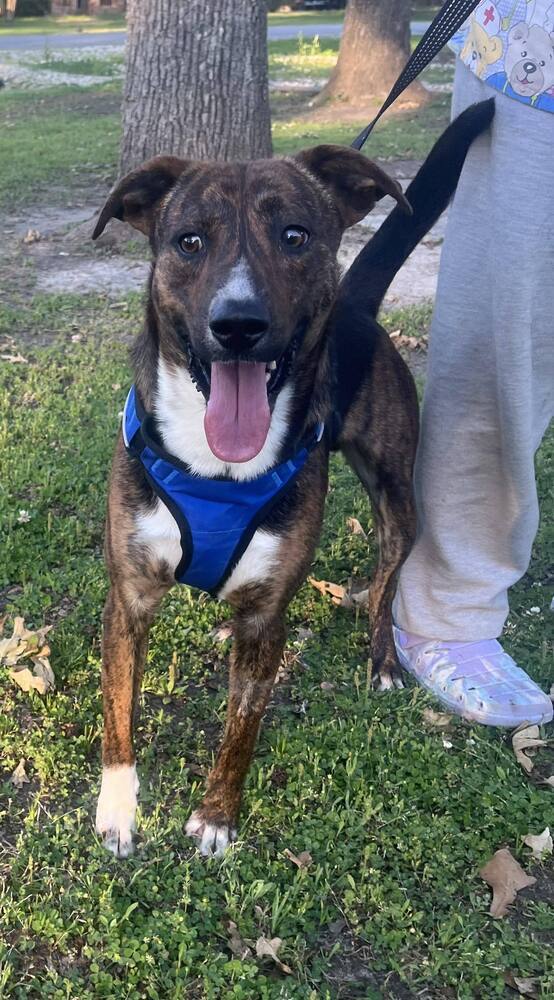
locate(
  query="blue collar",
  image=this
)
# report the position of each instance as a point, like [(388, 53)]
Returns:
[(216, 517)]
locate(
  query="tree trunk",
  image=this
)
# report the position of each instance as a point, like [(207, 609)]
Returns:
[(374, 48), (196, 80)]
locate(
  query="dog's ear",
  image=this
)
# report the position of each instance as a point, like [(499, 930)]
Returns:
[(354, 182), (135, 198)]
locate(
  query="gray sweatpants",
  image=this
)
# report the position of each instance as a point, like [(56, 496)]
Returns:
[(490, 383)]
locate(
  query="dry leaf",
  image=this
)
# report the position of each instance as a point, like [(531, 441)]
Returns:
[(223, 631), (549, 781), (506, 877), (411, 343), (526, 737), (540, 843), (269, 948), (526, 987), (19, 776), (26, 644), (31, 236), (304, 634), (356, 594), (302, 860), (355, 527), (327, 686), (14, 359), (436, 720), (334, 590), (236, 944)]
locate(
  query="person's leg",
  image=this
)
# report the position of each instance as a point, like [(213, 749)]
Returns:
[(488, 399)]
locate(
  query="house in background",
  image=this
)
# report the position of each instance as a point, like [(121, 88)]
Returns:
[(87, 6)]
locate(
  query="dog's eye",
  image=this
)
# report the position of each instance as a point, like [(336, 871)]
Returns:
[(294, 237), (523, 54), (190, 243), (542, 63)]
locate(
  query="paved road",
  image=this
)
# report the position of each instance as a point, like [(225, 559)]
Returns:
[(82, 40)]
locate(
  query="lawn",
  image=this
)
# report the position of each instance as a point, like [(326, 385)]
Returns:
[(60, 136), (397, 821), (398, 817)]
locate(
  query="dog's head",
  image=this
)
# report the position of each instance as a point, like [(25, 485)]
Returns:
[(244, 270)]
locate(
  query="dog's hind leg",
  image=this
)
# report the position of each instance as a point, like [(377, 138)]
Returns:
[(259, 640), (379, 440)]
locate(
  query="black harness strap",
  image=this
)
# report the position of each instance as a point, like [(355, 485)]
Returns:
[(446, 23)]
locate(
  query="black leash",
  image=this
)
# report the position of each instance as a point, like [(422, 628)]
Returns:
[(449, 18)]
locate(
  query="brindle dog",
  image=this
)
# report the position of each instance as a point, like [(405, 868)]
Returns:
[(246, 346)]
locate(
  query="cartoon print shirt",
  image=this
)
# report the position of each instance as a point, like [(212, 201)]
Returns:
[(510, 45)]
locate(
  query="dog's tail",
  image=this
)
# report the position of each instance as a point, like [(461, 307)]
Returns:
[(429, 193)]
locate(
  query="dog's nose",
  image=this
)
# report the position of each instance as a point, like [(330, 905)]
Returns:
[(529, 67), (238, 325)]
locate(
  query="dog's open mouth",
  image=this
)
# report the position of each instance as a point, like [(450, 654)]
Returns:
[(239, 395)]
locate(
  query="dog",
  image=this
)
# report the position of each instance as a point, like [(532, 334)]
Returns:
[(252, 366)]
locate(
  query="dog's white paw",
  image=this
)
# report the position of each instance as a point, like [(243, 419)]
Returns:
[(116, 810), (214, 838)]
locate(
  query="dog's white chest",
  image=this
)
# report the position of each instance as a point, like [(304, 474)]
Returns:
[(158, 532)]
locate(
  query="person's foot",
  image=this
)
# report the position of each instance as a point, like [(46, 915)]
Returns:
[(477, 680)]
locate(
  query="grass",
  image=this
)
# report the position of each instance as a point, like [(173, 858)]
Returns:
[(64, 24), (61, 135), (295, 58), (408, 135), (82, 64), (397, 824), (58, 136)]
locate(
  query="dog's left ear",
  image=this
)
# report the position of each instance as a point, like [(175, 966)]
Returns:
[(135, 198), (354, 182)]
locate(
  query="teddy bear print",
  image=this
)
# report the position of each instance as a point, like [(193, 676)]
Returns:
[(529, 61), (480, 50)]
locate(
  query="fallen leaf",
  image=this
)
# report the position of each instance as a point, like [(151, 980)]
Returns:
[(27, 644), (26, 680), (526, 737), (302, 860), (236, 944), (356, 594), (327, 686), (506, 877), (355, 527), (334, 590), (43, 670), (540, 843), (526, 987), (19, 776), (32, 236), (223, 631), (437, 720), (549, 781), (447, 744), (266, 948), (304, 634), (411, 343)]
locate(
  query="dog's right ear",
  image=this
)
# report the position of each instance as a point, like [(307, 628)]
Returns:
[(135, 198)]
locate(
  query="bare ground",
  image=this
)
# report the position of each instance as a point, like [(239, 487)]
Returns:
[(48, 249)]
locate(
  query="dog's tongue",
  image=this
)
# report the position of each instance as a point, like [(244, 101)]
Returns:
[(237, 418)]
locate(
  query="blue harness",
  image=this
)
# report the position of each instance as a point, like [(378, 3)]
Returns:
[(216, 517)]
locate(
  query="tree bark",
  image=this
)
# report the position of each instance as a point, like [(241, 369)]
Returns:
[(374, 48), (196, 80)]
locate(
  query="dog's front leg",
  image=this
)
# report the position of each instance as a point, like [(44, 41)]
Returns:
[(124, 646), (258, 647)]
